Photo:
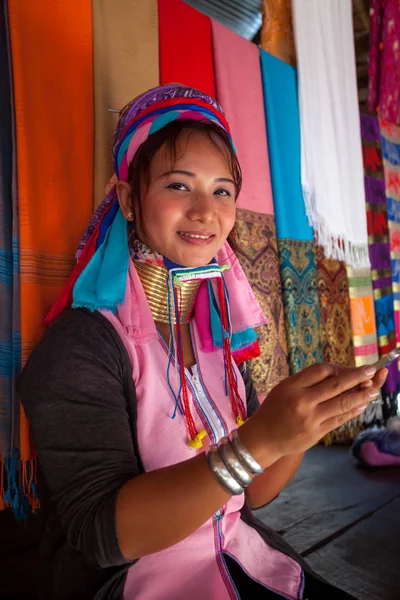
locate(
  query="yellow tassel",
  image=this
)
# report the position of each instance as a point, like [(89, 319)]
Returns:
[(239, 420), (197, 443)]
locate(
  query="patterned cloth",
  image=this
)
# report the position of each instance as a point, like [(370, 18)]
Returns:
[(236, 62), (277, 30), (54, 129), (334, 300), (384, 60), (258, 255), (379, 246), (391, 164), (125, 64), (295, 236), (300, 302)]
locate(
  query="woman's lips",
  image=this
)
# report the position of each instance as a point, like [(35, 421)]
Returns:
[(198, 241)]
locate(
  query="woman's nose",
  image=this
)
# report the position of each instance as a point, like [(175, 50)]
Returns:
[(202, 208)]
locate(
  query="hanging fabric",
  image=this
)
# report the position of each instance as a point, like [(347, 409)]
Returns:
[(334, 301), (390, 136), (237, 64), (277, 30), (53, 87), (10, 333), (379, 248), (364, 337), (384, 60), (331, 160), (125, 64), (6, 256), (186, 54), (336, 326), (295, 236)]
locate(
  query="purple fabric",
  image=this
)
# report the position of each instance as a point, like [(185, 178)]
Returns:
[(375, 190), (370, 130), (379, 255)]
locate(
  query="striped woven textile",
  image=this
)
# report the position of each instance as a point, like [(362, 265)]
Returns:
[(390, 137), (236, 63), (54, 128), (125, 64), (10, 335), (364, 336), (362, 315), (379, 245)]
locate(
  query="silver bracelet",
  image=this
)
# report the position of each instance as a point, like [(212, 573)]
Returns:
[(221, 473), (244, 455), (233, 464)]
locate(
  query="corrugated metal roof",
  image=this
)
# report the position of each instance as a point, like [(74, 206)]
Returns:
[(242, 16)]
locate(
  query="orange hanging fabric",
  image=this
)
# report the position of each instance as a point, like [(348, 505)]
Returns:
[(51, 42), (186, 54)]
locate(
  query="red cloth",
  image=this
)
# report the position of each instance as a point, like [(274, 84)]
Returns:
[(185, 40)]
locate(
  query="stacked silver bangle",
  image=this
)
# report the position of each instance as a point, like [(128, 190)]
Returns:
[(232, 464)]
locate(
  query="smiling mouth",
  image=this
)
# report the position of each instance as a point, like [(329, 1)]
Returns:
[(198, 239), (196, 236)]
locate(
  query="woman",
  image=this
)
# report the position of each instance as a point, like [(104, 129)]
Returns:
[(130, 392)]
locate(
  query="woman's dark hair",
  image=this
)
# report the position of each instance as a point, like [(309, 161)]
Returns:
[(139, 169)]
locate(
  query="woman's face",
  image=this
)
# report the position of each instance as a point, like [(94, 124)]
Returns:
[(188, 209)]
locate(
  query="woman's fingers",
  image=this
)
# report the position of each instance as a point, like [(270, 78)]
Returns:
[(380, 378), (334, 422), (314, 374), (343, 380), (345, 403)]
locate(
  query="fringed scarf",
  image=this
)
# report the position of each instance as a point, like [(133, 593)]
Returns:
[(331, 160)]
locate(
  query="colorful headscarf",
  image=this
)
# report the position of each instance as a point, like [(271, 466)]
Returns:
[(99, 278)]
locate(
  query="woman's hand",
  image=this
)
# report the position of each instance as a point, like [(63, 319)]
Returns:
[(303, 408)]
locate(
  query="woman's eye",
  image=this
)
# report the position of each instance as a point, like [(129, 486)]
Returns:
[(222, 192), (178, 186)]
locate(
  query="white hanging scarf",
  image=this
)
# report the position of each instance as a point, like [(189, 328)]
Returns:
[(331, 155)]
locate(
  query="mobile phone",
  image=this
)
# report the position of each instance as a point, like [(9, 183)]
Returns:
[(387, 359)]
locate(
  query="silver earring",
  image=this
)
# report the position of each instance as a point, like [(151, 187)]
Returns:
[(130, 215)]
